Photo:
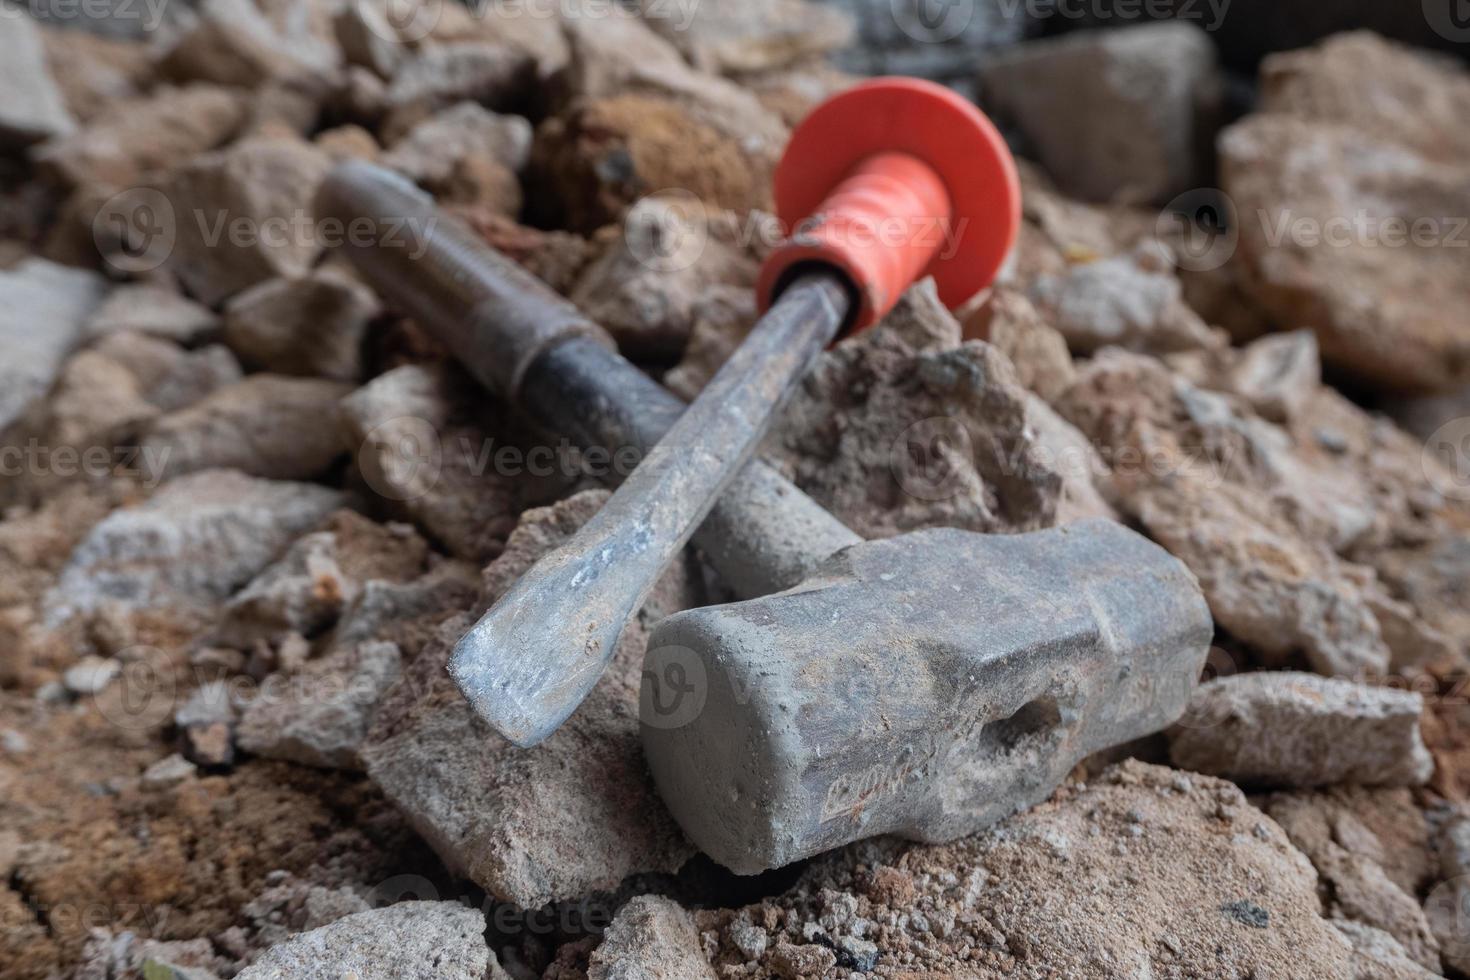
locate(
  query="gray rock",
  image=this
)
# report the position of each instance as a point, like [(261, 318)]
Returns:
[(168, 772), (1115, 114), (647, 286), (311, 326), (1132, 301), (33, 109), (751, 36), (427, 442), (429, 152), (43, 308), (1299, 730), (906, 427), (153, 311), (650, 938), (575, 813), (407, 941), (302, 593), (243, 215), (492, 74), (193, 543), (90, 675), (235, 42), (264, 425), (151, 133), (320, 715)]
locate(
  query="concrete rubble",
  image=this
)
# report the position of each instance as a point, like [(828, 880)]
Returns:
[(1300, 730), (247, 506)]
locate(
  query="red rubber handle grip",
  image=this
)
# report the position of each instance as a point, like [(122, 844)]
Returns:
[(890, 181)]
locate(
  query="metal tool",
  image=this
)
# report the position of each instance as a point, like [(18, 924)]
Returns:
[(925, 685), (890, 181)]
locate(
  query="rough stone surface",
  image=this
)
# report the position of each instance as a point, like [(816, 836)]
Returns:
[(236, 42), (436, 148), (492, 74), (264, 425), (1347, 222), (243, 216), (43, 307), (1009, 322), (425, 441), (318, 577), (314, 325), (651, 938), (154, 311), (1114, 115), (1247, 506), (577, 812), (407, 941), (758, 35), (196, 541), (320, 715), (1356, 839), (34, 109), (655, 273), (149, 133), (646, 122), (1208, 886), (905, 427), (1132, 301), (1296, 730)]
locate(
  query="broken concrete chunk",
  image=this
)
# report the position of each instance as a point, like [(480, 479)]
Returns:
[(264, 425), (904, 427), (655, 271), (752, 36), (1277, 375), (1386, 90), (1114, 114), (33, 109), (90, 675), (1009, 322), (143, 135), (153, 311), (320, 715), (441, 75), (427, 154), (646, 122), (312, 326), (407, 941), (1359, 889), (235, 43), (1214, 888), (1380, 286), (43, 307), (168, 377), (1129, 301), (650, 937), (1254, 510), (1298, 730), (319, 576), (577, 812), (168, 772), (367, 36), (1379, 956), (193, 543), (243, 215), (466, 155), (424, 442)]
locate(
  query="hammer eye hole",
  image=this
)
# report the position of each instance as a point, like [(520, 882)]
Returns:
[(1032, 719)]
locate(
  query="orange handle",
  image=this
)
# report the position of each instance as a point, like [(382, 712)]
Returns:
[(882, 227), (890, 181)]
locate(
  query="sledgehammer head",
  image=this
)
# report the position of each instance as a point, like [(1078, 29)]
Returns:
[(927, 686)]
